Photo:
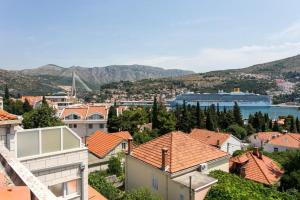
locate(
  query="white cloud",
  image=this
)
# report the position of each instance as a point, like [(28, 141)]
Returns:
[(290, 33), (209, 59)]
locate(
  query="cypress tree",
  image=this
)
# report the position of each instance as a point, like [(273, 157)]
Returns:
[(209, 122), (297, 125), (237, 114), (270, 125), (292, 125), (112, 120), (6, 93), (155, 114), (276, 126), (26, 106), (198, 111)]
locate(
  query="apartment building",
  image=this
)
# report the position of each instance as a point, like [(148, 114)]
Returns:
[(224, 141), (174, 166), (85, 119), (52, 162)]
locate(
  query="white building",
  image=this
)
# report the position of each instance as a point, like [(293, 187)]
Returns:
[(54, 158), (85, 119), (260, 138), (224, 141)]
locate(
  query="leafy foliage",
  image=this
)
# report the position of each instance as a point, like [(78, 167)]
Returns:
[(114, 166), (43, 116), (231, 186)]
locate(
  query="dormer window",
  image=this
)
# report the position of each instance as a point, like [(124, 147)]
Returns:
[(95, 117), (72, 117)]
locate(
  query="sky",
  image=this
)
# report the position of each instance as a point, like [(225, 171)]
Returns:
[(198, 35)]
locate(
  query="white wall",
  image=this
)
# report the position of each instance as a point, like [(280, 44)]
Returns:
[(234, 144)]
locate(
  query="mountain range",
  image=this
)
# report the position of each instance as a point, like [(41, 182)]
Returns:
[(48, 78)]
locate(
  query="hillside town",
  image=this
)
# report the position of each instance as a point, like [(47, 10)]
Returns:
[(56, 147)]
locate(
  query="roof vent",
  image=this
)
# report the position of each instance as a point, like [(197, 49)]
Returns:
[(203, 167)]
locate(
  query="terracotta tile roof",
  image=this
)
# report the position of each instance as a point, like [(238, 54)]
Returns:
[(263, 170), (183, 151), (209, 137), (123, 134), (32, 99), (101, 143), (7, 116), (287, 140), (266, 136), (94, 195), (97, 109), (84, 111), (14, 193)]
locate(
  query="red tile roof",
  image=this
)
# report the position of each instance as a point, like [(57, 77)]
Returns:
[(290, 140), (123, 134), (7, 116), (84, 111), (209, 137), (266, 136), (101, 143), (263, 170), (94, 195), (32, 99), (183, 151)]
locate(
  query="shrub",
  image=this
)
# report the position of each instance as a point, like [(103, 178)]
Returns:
[(114, 166)]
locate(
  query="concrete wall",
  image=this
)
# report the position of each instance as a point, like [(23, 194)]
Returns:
[(234, 144), (58, 168), (270, 148), (255, 141), (83, 129), (139, 174)]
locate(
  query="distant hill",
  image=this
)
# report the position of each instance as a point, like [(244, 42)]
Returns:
[(48, 77)]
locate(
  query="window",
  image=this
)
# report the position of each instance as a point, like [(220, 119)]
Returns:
[(72, 125), (65, 189), (181, 197), (124, 145), (95, 117), (101, 125), (72, 116), (275, 149), (154, 183), (90, 126)]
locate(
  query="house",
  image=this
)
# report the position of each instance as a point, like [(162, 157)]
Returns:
[(56, 101), (260, 138), (85, 119), (52, 162), (275, 141), (174, 166), (102, 146), (284, 142), (224, 141), (255, 166)]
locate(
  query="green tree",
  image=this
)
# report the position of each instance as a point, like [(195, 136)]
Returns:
[(166, 120), (237, 114), (141, 137), (154, 119), (113, 122), (26, 106), (237, 131), (183, 124), (44, 116), (276, 126), (297, 125), (141, 194), (114, 166), (209, 122), (200, 116)]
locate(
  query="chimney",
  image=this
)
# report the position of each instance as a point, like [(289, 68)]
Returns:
[(243, 172), (255, 151), (129, 146), (218, 130), (260, 155), (218, 144), (164, 152)]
